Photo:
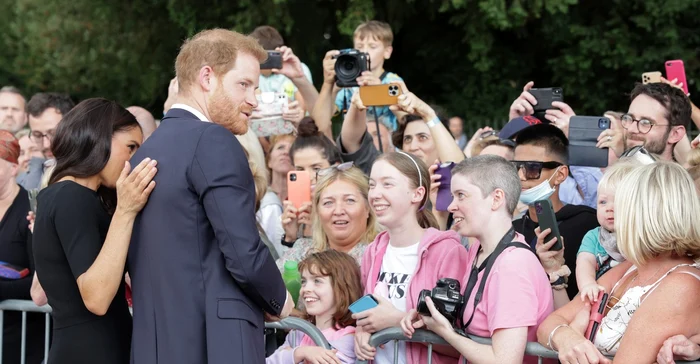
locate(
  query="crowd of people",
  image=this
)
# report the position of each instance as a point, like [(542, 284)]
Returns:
[(190, 220)]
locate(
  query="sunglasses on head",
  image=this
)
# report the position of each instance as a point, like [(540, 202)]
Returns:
[(487, 134), (340, 167), (533, 169)]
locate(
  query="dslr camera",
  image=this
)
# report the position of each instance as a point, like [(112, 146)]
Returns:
[(349, 65), (447, 298)]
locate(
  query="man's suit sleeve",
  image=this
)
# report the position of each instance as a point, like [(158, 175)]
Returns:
[(221, 177)]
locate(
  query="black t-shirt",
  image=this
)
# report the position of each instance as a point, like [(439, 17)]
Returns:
[(16, 249), (70, 229), (364, 157), (574, 222)]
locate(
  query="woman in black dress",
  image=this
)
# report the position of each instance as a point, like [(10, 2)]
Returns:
[(83, 229), (15, 249)]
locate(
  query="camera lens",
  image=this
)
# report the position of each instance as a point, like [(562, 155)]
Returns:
[(603, 123), (347, 67), (293, 177)]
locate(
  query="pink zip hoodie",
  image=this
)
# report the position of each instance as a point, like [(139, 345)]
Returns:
[(440, 256)]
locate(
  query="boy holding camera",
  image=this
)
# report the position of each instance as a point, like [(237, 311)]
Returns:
[(373, 38)]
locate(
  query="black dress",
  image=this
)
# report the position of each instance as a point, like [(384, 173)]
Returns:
[(69, 231), (16, 249)]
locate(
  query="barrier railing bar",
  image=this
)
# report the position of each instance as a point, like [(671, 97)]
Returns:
[(2, 332), (424, 336), (47, 332), (302, 325), (22, 358)]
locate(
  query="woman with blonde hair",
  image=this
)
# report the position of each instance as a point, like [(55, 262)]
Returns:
[(341, 218), (658, 234)]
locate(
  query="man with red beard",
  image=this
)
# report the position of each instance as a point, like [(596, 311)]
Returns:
[(201, 278)]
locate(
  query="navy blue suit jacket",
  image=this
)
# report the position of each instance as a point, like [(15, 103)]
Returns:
[(201, 276)]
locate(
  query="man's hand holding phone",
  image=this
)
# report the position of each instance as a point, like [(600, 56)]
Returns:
[(523, 105), (552, 260)]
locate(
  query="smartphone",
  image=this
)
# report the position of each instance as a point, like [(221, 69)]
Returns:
[(380, 95), (274, 60), (271, 106), (444, 195), (545, 97), (596, 317), (33, 193), (583, 137), (365, 303), (547, 220), (298, 188), (676, 70), (651, 77)]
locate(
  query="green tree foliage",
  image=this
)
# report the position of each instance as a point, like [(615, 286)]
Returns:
[(470, 56)]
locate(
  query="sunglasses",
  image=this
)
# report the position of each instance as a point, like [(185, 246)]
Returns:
[(340, 167), (638, 149), (533, 169), (487, 134)]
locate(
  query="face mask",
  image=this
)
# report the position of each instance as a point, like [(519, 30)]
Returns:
[(539, 192)]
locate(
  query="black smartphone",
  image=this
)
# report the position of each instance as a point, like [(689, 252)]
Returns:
[(548, 220), (545, 97), (274, 60), (583, 137)]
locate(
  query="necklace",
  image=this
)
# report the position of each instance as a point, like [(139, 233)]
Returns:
[(646, 280)]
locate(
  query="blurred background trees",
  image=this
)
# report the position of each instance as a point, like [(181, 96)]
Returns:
[(470, 56)]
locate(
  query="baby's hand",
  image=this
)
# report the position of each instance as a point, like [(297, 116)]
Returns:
[(590, 292)]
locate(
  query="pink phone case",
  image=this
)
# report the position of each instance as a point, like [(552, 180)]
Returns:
[(676, 70)]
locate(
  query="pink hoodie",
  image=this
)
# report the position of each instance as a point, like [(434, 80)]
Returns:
[(441, 256)]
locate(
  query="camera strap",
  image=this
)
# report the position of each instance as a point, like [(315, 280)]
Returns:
[(486, 265)]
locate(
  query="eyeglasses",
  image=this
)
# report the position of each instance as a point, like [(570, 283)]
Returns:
[(533, 169), (38, 137), (340, 167), (643, 125)]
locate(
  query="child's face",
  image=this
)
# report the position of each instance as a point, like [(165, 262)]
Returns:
[(376, 49), (391, 196), (606, 210), (317, 293)]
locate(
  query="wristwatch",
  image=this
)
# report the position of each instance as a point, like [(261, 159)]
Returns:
[(286, 243)]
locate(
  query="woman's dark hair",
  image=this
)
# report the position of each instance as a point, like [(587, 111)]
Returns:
[(308, 136), (83, 142), (397, 136)]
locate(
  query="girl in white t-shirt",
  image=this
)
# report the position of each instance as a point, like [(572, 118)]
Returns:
[(411, 255)]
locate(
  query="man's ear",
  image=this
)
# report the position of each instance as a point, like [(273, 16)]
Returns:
[(206, 78), (561, 175), (387, 52), (677, 133)]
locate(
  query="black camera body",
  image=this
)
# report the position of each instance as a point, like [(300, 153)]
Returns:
[(447, 298), (349, 65)]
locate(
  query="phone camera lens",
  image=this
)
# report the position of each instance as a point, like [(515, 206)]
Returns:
[(293, 177)]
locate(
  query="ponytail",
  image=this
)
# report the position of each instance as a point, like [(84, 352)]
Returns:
[(426, 218)]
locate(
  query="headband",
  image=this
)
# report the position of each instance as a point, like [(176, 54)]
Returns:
[(420, 175)]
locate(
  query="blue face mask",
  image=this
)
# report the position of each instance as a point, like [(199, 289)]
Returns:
[(540, 192)]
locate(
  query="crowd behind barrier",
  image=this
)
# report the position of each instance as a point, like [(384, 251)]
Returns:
[(290, 323)]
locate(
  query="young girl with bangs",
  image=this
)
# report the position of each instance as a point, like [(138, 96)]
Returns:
[(330, 282)]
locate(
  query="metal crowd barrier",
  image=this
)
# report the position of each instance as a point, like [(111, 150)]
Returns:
[(25, 306), (423, 336), (295, 323)]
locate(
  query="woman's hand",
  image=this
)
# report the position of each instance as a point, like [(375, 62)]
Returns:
[(581, 351), (134, 188), (293, 113), (31, 217), (434, 181), (551, 260), (409, 103), (363, 350), (475, 139), (436, 322), (383, 316), (289, 220), (356, 101), (316, 355), (678, 347)]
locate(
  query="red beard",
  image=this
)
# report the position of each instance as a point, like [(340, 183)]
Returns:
[(226, 113)]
